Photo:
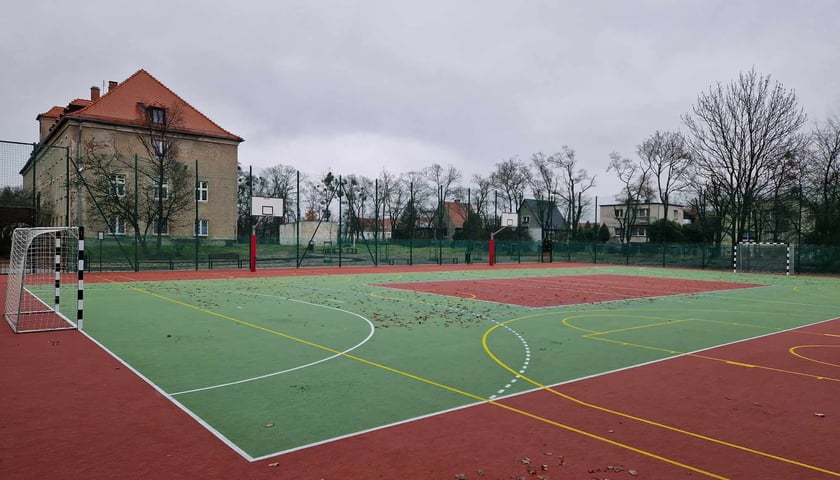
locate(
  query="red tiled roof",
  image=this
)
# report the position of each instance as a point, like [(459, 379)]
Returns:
[(54, 112), (457, 212), (119, 105)]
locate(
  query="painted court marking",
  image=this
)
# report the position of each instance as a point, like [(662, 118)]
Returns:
[(506, 407), (552, 390), (293, 369)]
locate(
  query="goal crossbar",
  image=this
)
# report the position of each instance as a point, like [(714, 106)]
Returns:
[(766, 257)]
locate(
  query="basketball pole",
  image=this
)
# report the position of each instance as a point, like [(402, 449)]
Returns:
[(253, 253), (491, 254)]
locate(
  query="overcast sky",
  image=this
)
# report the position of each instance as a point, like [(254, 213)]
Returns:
[(360, 86)]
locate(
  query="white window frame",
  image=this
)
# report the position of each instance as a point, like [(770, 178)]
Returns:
[(157, 190), (165, 231), (117, 184), (157, 115), (619, 213), (202, 191), (160, 147), (526, 219), (202, 227), (116, 226)]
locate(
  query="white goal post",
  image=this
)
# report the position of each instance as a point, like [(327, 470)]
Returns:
[(46, 266), (766, 257)]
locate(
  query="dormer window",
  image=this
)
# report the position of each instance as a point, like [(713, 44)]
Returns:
[(156, 115)]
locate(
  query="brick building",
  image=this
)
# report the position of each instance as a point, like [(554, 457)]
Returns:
[(130, 163)]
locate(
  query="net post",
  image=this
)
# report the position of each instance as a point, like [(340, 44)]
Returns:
[(57, 300), (735, 258), (81, 279)]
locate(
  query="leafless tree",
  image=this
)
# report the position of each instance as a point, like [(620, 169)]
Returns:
[(822, 178), (737, 132), (545, 183), (159, 133), (635, 181), (445, 181), (481, 199), (357, 192), (511, 177), (669, 161), (574, 182)]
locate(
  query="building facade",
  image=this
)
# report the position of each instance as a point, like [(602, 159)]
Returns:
[(618, 219), (541, 219), (136, 159)]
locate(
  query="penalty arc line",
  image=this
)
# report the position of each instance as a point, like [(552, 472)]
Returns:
[(299, 367)]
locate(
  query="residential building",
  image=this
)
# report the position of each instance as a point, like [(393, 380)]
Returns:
[(617, 218), (541, 219), (455, 215), (185, 164)]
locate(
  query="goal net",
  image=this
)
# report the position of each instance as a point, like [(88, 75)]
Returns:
[(763, 257), (46, 268)]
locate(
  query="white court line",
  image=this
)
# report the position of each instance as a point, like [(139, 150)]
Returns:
[(299, 367)]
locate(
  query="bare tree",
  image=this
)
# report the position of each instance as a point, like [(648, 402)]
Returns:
[(635, 178), (669, 161), (357, 191), (445, 183), (822, 178), (481, 199), (574, 182), (393, 198), (172, 186), (736, 134), (511, 177), (545, 187)]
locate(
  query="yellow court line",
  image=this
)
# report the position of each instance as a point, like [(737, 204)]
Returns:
[(637, 327), (793, 350), (764, 367), (578, 401), (431, 382), (466, 295), (594, 335)]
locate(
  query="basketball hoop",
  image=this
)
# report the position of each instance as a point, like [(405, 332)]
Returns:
[(262, 208), (509, 220)]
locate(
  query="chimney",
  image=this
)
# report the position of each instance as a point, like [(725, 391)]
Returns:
[(111, 85), (94, 94)]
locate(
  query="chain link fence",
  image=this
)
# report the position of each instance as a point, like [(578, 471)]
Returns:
[(135, 227)]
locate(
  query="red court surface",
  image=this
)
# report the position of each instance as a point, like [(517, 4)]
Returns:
[(565, 290)]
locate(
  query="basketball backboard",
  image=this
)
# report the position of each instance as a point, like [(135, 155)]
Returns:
[(266, 207), (510, 220)]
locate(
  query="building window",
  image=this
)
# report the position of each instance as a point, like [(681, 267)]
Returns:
[(676, 214), (202, 190), (644, 212), (160, 227), (156, 115), (619, 213), (160, 147), (161, 190), (116, 226), (116, 182), (638, 231), (202, 226), (526, 219)]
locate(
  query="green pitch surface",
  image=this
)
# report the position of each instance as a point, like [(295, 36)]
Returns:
[(275, 364)]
